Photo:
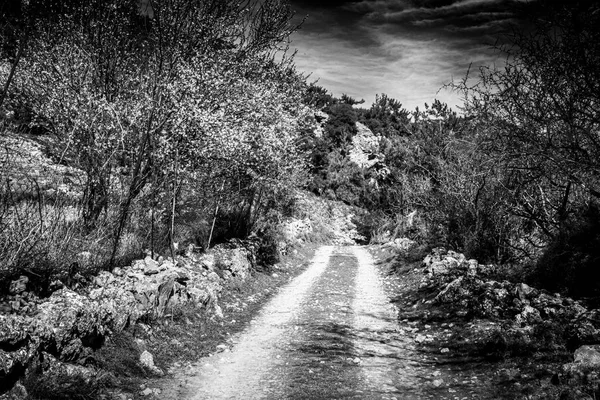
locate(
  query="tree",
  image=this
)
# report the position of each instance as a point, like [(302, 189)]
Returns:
[(147, 100), (386, 117), (539, 116)]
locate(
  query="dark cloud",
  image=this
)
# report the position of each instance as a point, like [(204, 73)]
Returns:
[(405, 48), (320, 4)]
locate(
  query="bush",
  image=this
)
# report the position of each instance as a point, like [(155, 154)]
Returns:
[(268, 253), (571, 262)]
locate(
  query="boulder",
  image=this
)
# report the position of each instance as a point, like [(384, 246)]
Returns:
[(438, 268), (454, 292), (365, 148), (150, 267), (525, 292), (147, 361), (18, 286), (589, 355), (528, 316), (585, 367), (236, 261), (404, 244)]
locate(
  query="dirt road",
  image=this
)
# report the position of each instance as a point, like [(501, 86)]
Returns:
[(330, 333)]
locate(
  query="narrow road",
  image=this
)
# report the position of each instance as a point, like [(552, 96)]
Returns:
[(331, 333)]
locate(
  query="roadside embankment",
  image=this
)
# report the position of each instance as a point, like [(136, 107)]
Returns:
[(526, 342), (130, 323)]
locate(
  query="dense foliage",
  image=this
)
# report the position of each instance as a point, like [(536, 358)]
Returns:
[(513, 178), (188, 129), (183, 117)]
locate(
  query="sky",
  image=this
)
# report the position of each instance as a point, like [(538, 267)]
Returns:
[(407, 49)]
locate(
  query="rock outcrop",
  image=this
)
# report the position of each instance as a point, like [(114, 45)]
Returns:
[(365, 148)]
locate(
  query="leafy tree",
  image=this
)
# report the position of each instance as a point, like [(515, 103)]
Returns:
[(317, 96), (149, 102), (386, 117)]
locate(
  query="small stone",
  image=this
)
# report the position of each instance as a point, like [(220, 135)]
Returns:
[(146, 392), (445, 350), (150, 266), (588, 354), (222, 347), (438, 382), (18, 286), (147, 360), (420, 338), (56, 285)]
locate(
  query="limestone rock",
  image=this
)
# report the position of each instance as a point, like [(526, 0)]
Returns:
[(150, 266), (147, 361), (365, 148), (235, 261), (438, 268), (69, 325), (525, 292), (18, 286), (589, 355), (404, 244)]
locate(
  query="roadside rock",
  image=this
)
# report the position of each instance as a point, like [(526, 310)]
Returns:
[(585, 368), (18, 286), (524, 317), (69, 325), (147, 361), (589, 355), (365, 148), (402, 244), (236, 261)]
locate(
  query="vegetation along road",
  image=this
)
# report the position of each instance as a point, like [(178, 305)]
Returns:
[(330, 333)]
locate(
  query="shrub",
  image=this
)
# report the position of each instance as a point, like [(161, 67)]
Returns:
[(571, 262), (268, 253)]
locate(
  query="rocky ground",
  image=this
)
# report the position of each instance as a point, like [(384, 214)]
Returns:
[(101, 338), (458, 332), (515, 340)]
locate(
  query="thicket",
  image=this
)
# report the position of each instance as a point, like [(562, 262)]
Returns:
[(181, 119), (539, 123), (513, 178)]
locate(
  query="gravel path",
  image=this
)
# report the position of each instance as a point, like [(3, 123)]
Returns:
[(330, 333)]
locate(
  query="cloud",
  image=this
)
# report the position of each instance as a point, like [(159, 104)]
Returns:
[(407, 49)]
